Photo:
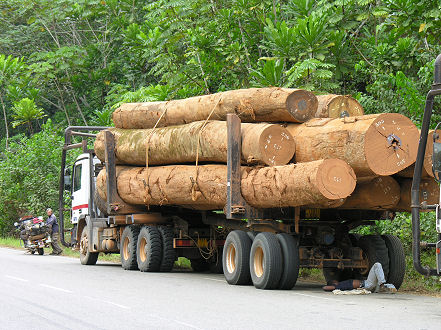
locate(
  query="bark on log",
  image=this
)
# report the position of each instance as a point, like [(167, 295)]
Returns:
[(427, 164), (373, 145), (429, 193), (251, 105), (380, 193), (267, 187), (338, 106), (268, 144)]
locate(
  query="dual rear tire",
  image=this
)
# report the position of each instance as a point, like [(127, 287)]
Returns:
[(147, 248), (267, 260)]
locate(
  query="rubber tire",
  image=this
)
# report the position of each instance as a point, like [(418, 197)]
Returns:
[(252, 235), (41, 251), (32, 251), (199, 265), (168, 252), (291, 261), (241, 242), (131, 232), (397, 260), (272, 261), (376, 250), (90, 258), (153, 249)]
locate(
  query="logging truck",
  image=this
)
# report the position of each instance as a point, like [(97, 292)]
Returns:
[(262, 246)]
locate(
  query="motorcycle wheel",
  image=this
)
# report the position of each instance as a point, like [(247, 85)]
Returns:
[(32, 251), (40, 251)]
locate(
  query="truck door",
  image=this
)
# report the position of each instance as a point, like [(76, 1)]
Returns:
[(80, 188)]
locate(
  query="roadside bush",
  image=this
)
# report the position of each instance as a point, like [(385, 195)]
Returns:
[(29, 174)]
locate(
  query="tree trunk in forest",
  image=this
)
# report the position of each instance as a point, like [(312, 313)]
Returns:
[(251, 105), (6, 121), (373, 145), (267, 144), (427, 164), (338, 106), (204, 187), (379, 193), (429, 193)]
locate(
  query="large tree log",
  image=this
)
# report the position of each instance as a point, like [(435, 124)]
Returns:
[(427, 164), (268, 144), (338, 106), (373, 145), (251, 105), (380, 193), (204, 187), (429, 193)]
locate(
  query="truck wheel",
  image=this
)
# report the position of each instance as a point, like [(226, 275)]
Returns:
[(252, 235), (86, 257), (376, 251), (291, 261), (127, 250), (168, 252), (149, 249), (397, 260), (40, 251), (236, 258), (266, 262)]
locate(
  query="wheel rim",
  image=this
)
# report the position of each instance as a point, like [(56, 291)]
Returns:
[(126, 252), (231, 258), (142, 248), (259, 257)]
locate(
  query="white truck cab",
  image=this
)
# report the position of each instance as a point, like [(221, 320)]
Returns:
[(80, 191)]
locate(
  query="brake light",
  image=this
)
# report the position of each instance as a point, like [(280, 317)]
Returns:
[(178, 242)]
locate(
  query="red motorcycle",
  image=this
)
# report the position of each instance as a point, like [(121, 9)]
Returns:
[(34, 233)]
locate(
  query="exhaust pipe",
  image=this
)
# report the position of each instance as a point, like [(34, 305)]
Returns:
[(415, 192)]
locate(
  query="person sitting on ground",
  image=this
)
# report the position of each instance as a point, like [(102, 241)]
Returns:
[(375, 279)]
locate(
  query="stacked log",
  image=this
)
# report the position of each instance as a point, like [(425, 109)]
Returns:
[(427, 164), (266, 144), (204, 187), (338, 106), (251, 105), (174, 153), (373, 145), (429, 194)]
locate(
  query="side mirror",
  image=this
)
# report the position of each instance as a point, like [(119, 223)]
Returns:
[(67, 182), (436, 157), (67, 171)]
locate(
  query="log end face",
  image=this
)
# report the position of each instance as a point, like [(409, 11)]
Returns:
[(277, 146), (335, 179), (302, 105), (391, 144), (344, 106)]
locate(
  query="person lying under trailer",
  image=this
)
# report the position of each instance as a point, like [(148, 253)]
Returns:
[(374, 280)]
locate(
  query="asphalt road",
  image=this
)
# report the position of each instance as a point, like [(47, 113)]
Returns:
[(51, 292)]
